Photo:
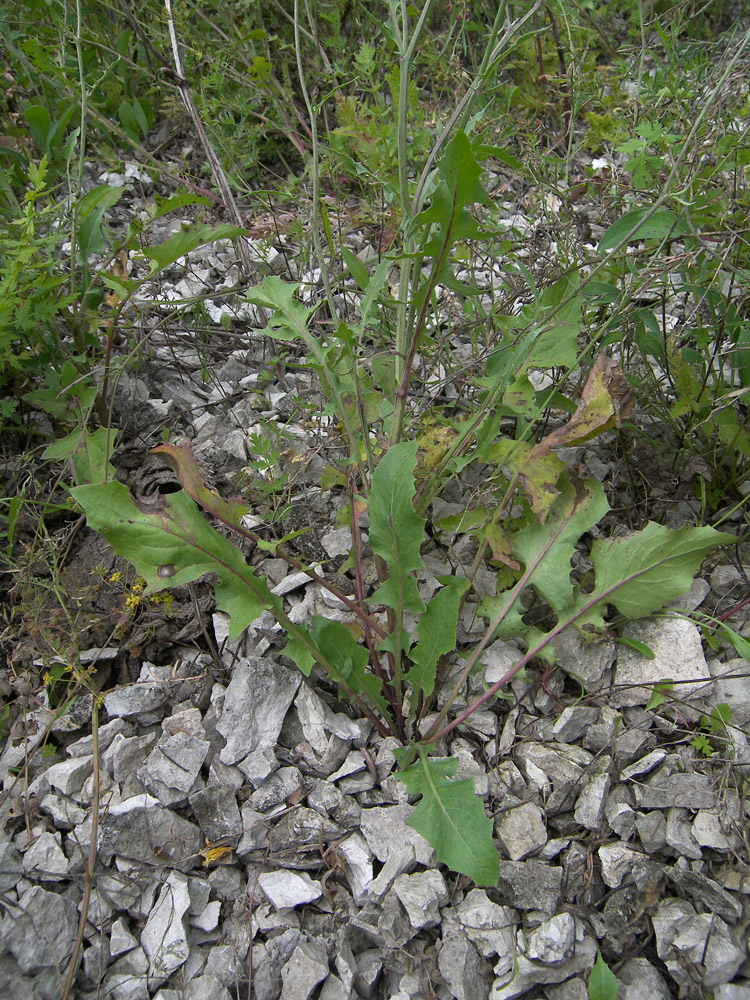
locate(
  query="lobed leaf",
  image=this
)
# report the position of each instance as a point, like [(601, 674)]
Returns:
[(289, 316), (171, 544), (553, 544), (348, 660), (437, 634), (641, 573), (452, 818), (396, 530)]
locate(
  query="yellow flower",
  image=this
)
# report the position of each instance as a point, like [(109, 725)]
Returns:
[(116, 577)]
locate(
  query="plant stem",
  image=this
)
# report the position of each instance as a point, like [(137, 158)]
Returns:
[(435, 732), (88, 872), (217, 170)]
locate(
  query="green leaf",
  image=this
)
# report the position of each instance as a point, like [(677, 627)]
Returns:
[(663, 224), (37, 117), (396, 530), (641, 573), (452, 818), (103, 196), (602, 981), (721, 716), (178, 201), (437, 634), (657, 698), (349, 661), (90, 451), (355, 267), (375, 286), (290, 316), (184, 242), (639, 647), (702, 744), (460, 186), (170, 544), (578, 508)]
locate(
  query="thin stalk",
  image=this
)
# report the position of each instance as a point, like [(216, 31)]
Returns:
[(316, 221), (427, 494), (410, 268), (406, 49), (77, 332), (89, 866), (320, 257), (359, 587), (217, 170), (435, 732)]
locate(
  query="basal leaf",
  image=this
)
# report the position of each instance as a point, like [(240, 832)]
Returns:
[(606, 401), (437, 634), (171, 544), (513, 626), (396, 530), (641, 573), (452, 818), (181, 460)]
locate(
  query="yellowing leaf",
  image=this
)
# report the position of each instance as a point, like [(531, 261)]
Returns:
[(211, 855)]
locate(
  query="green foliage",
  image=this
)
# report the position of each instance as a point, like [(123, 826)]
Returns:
[(383, 133), (602, 981), (712, 726), (171, 543), (451, 817), (33, 299)]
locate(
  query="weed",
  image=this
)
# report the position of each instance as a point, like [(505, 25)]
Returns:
[(400, 454)]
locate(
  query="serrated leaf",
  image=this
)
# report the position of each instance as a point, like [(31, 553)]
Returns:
[(513, 626), (171, 544), (437, 634), (641, 573), (602, 981), (452, 819), (396, 530), (460, 186), (578, 508), (348, 660), (289, 316)]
